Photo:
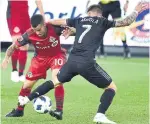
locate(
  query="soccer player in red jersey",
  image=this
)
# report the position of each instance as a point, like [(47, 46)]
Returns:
[(48, 55), (18, 22)]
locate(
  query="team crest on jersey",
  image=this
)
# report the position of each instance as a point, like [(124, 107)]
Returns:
[(16, 29), (29, 74), (53, 40), (142, 31)]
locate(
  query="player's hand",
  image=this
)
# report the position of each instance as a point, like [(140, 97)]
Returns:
[(68, 31), (140, 6), (4, 63)]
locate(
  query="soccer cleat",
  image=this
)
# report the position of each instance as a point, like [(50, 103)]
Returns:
[(22, 78), (101, 118), (23, 100), (15, 113), (56, 114), (15, 76)]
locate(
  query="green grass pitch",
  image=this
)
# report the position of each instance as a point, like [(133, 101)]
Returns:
[(130, 105)]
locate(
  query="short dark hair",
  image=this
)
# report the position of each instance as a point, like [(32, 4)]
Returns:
[(36, 20), (95, 7)]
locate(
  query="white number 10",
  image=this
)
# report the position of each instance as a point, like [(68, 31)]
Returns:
[(87, 29)]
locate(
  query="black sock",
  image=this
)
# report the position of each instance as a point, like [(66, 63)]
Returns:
[(14, 70), (106, 100), (41, 90), (20, 73)]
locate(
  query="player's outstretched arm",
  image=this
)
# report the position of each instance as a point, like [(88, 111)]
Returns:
[(60, 22), (131, 18), (21, 41), (40, 7), (8, 54)]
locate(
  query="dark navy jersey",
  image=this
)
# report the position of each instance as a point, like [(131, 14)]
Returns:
[(89, 32)]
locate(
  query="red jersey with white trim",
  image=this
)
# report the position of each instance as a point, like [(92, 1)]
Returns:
[(48, 46)]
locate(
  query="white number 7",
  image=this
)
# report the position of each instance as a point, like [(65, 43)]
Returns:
[(88, 28)]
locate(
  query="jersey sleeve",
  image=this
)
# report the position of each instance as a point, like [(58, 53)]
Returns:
[(71, 22), (22, 40), (107, 23)]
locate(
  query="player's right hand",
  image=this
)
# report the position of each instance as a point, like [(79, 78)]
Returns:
[(4, 64), (140, 6)]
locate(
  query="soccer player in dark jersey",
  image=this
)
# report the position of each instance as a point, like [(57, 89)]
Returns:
[(18, 21), (48, 55), (89, 31)]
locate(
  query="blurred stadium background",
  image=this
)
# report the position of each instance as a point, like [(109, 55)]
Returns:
[(131, 75), (137, 36)]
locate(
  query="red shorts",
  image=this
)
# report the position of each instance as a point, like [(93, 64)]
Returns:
[(40, 65), (18, 25)]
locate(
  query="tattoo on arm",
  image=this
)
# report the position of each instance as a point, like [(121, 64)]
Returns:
[(127, 21), (10, 51)]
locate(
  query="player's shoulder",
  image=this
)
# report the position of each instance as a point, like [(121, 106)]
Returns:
[(49, 26), (102, 20), (30, 31)]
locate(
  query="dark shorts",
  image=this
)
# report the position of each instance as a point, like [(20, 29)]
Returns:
[(112, 9), (90, 71)]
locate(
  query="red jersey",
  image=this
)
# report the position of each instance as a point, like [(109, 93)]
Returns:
[(48, 46)]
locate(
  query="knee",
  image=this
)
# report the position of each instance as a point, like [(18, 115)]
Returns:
[(56, 82), (28, 84), (112, 86)]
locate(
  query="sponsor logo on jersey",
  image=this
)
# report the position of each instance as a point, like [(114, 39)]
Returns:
[(37, 42), (54, 41), (142, 32)]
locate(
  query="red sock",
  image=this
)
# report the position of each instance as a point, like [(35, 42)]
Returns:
[(59, 96), (14, 59), (22, 60), (23, 92)]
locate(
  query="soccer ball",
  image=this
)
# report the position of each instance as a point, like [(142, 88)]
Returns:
[(42, 104)]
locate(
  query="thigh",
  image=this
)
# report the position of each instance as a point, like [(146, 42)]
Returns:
[(14, 25), (105, 14), (96, 75), (37, 69), (67, 72), (105, 10), (29, 84), (116, 10), (57, 62), (26, 25)]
